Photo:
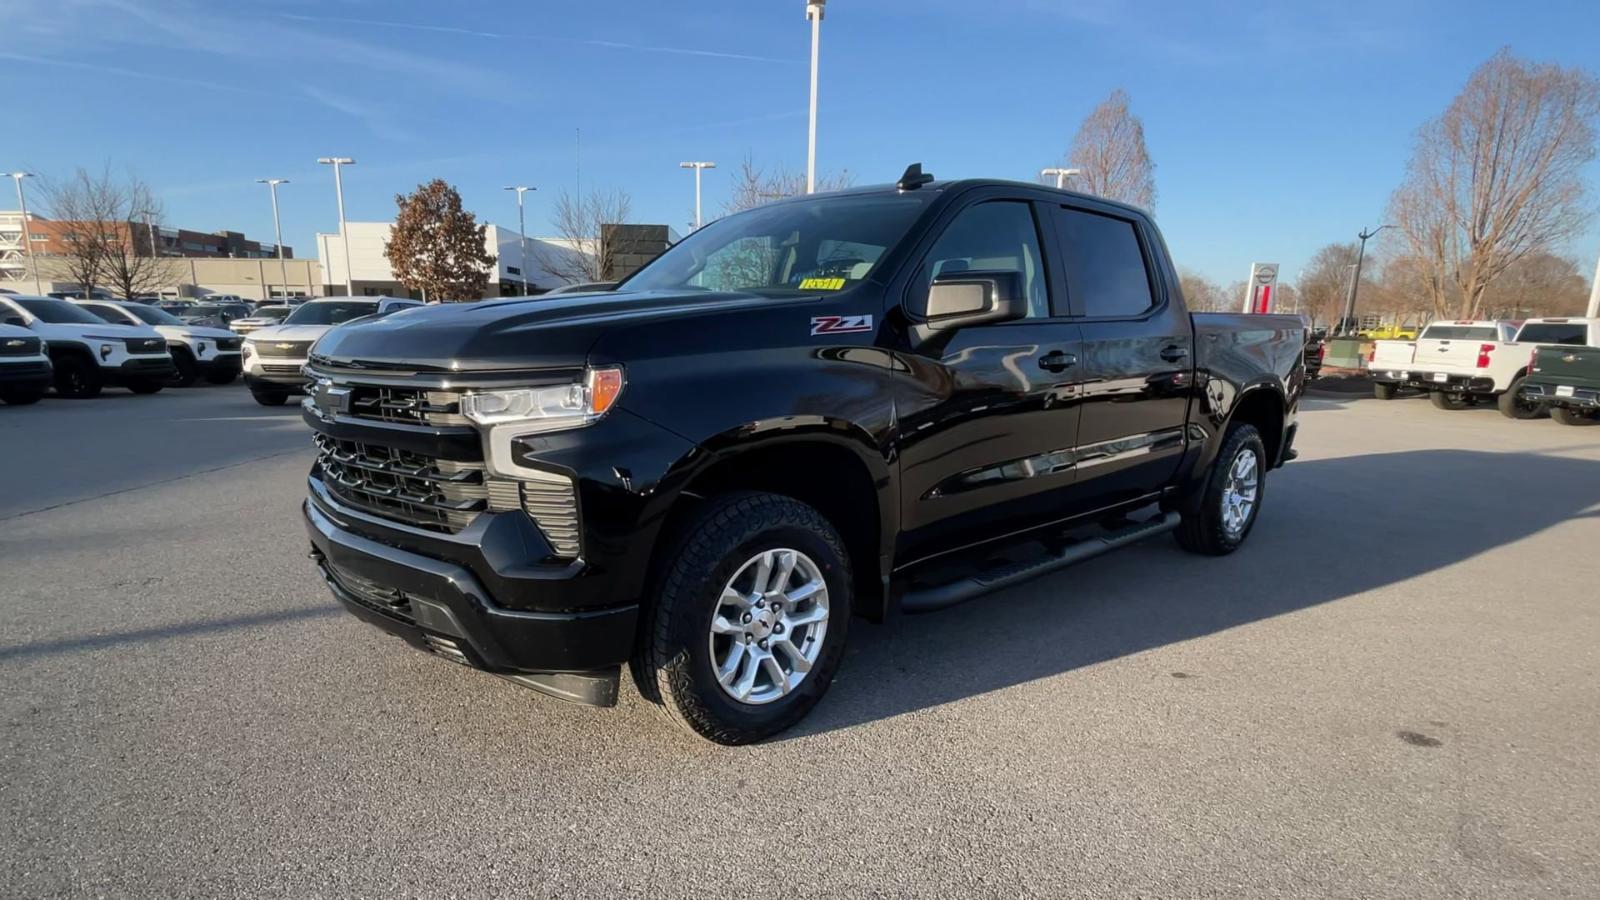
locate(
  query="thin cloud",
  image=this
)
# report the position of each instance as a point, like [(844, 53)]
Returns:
[(510, 36), (379, 121), (131, 73)]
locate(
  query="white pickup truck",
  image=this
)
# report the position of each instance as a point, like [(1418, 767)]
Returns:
[(1461, 362)]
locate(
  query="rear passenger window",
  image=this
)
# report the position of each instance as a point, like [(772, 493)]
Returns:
[(1572, 334), (1106, 274)]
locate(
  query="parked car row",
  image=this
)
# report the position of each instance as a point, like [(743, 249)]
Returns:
[(275, 354), (85, 351), (1518, 366)]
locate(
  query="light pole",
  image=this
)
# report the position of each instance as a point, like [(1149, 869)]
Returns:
[(27, 236), (1355, 281), (338, 189), (698, 167), (522, 233), (814, 15), (277, 230), (1594, 294), (1061, 175)]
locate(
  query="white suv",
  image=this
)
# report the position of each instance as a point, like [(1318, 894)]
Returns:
[(24, 366), (197, 351), (88, 352), (273, 356)]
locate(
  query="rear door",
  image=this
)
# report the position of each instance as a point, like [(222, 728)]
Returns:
[(1138, 352), (987, 439), (1453, 346)]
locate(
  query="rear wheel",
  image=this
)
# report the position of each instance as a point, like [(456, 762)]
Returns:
[(1219, 518), (1383, 390), (749, 620), (187, 372), (77, 378), (1566, 415), (270, 398), (1515, 406), (1449, 401)]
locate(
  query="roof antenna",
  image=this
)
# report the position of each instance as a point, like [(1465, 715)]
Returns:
[(913, 178)]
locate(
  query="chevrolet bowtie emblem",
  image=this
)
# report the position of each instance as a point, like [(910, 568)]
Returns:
[(13, 343), (1570, 357), (285, 346), (329, 400)]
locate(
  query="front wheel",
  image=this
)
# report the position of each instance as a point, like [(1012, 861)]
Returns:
[(1384, 391), (187, 370), (145, 386), (222, 376), (749, 620), (77, 378), (270, 398), (1566, 415), (1515, 406), (21, 398), (1443, 400), (1218, 519)]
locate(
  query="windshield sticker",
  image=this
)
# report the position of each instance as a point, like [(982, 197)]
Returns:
[(821, 284), (840, 324)]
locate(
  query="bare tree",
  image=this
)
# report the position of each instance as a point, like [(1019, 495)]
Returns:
[(1539, 284), (1497, 177), (1111, 156), (754, 186), (437, 247), (1325, 282), (1201, 294), (99, 220), (580, 224)]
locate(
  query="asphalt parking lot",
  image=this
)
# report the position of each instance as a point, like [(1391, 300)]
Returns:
[(1391, 691)]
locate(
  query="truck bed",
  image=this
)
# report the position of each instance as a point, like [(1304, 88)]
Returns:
[(1239, 344)]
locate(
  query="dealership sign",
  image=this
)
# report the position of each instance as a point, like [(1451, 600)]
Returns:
[(1262, 288)]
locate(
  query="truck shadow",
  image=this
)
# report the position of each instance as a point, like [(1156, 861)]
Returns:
[(1318, 540)]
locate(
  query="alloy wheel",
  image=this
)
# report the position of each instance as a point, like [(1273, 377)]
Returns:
[(769, 625)]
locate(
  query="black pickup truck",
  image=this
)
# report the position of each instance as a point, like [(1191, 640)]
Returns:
[(888, 399)]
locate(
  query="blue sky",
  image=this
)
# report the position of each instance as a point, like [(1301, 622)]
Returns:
[(1275, 127)]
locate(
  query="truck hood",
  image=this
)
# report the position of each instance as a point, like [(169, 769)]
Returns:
[(512, 334), (289, 333)]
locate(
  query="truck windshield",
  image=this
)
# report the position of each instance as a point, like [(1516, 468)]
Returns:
[(330, 313), (59, 312), (818, 244), (1460, 333), (1573, 334)]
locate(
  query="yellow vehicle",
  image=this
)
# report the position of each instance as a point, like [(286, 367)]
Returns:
[(1391, 332)]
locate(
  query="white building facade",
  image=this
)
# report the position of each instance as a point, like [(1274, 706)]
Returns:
[(515, 271)]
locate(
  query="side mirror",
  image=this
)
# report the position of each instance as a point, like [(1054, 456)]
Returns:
[(18, 321), (959, 299)]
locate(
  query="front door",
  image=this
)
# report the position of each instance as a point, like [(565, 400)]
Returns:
[(987, 438)]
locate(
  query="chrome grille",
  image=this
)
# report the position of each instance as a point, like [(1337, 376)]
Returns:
[(146, 345), (284, 349), (406, 406), (436, 494), (23, 346), (229, 343)]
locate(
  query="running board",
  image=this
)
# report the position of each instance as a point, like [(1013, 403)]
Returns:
[(962, 589)]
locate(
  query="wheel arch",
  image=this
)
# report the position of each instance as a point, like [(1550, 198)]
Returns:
[(825, 463)]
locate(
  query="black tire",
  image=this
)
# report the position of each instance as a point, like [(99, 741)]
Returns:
[(188, 372), (145, 386), (21, 398), (1203, 529), (222, 376), (1566, 415), (1444, 400), (1384, 391), (270, 398), (674, 663), (77, 378), (1514, 406)]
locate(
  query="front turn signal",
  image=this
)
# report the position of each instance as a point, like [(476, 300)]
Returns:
[(605, 385)]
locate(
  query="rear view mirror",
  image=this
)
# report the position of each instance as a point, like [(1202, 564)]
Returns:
[(959, 299)]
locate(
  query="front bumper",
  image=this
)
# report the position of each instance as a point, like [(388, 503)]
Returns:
[(272, 372), (141, 368), (441, 606), (1545, 392), (29, 375), (1449, 382)]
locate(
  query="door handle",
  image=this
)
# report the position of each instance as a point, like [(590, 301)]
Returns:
[(1173, 352), (1057, 361)]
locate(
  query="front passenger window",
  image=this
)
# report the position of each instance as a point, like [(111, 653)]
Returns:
[(994, 236)]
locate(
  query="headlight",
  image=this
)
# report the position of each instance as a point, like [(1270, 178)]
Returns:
[(548, 408), (248, 350)]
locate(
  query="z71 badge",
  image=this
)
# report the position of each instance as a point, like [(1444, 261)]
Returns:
[(840, 324)]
